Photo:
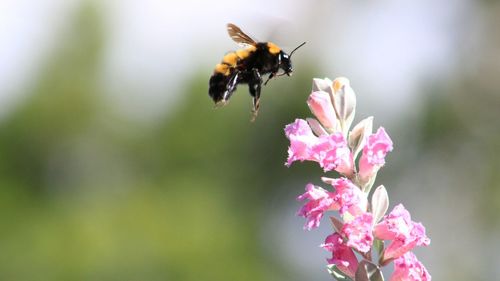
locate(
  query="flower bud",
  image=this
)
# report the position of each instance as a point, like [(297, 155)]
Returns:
[(358, 135), (324, 85), (316, 127), (344, 102), (321, 106), (380, 203)]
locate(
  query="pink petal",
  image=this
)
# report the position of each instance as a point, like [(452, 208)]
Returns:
[(405, 233), (376, 148), (332, 153), (319, 202), (359, 232), (409, 268), (321, 106), (301, 140), (349, 197), (342, 256)]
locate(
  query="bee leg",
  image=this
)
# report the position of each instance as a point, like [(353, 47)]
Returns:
[(231, 87), (270, 77), (254, 86)]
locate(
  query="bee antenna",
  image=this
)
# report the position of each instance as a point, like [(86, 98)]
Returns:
[(297, 48)]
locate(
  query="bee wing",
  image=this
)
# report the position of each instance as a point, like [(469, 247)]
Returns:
[(239, 36)]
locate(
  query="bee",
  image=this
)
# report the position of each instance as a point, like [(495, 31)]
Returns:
[(248, 66)]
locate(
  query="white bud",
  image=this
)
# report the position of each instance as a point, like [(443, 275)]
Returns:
[(380, 203), (344, 102), (322, 85), (316, 127), (358, 135)]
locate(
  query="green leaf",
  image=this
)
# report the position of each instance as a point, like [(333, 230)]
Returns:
[(337, 273), (367, 271), (378, 245)]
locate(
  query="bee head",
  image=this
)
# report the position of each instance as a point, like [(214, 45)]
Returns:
[(285, 60), (286, 63)]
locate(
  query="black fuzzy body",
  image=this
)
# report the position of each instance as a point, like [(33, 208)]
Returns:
[(248, 70)]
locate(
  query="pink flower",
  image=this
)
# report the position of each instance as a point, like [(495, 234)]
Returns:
[(330, 151), (408, 268), (301, 140), (376, 148), (322, 107), (348, 197), (342, 256), (405, 233), (359, 232), (320, 201)]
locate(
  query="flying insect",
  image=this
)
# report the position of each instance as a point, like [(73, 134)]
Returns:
[(248, 66)]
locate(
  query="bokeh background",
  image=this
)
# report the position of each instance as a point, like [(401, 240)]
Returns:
[(115, 166)]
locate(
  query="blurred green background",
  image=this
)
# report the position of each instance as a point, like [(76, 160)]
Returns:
[(115, 166)]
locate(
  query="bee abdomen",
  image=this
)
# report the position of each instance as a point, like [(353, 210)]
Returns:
[(219, 80), (218, 86), (223, 68)]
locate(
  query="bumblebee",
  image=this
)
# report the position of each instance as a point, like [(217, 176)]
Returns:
[(248, 66)]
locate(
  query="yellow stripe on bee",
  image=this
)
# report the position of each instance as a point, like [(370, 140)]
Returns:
[(273, 48), (222, 68), (243, 53), (230, 59)]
